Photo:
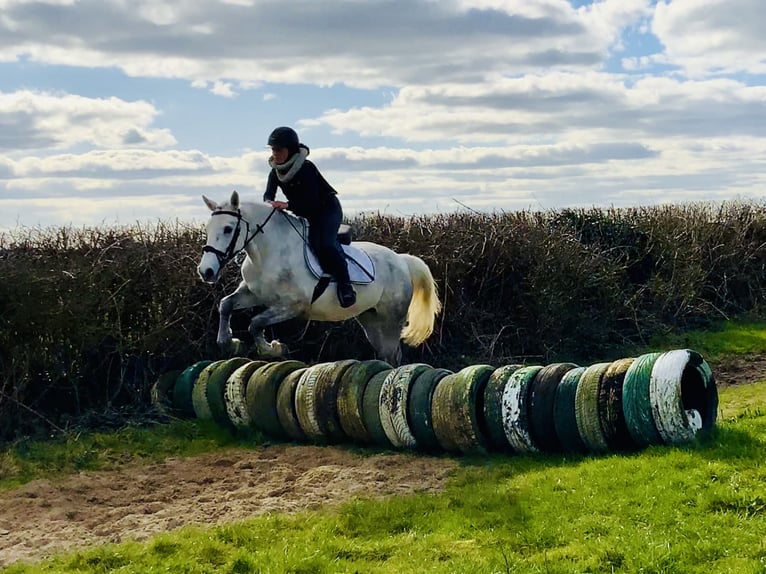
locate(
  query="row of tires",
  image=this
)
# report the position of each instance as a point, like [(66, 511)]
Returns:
[(653, 399)]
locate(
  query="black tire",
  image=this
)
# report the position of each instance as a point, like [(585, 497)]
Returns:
[(161, 392), (610, 413), (419, 408), (326, 404), (371, 410), (542, 397)]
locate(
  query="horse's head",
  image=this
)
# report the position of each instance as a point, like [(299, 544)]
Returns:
[(227, 233)]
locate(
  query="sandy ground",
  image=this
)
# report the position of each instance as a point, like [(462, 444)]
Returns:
[(139, 501)]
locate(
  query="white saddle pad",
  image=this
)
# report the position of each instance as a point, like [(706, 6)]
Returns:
[(360, 267)]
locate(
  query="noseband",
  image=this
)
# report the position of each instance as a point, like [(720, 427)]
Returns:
[(231, 250)]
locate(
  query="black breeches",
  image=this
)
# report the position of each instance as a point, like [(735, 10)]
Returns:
[(323, 239)]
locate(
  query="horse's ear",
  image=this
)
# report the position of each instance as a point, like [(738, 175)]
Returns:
[(212, 205), (234, 199)]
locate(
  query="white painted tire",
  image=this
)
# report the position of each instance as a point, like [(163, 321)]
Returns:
[(514, 409), (676, 424), (235, 394)]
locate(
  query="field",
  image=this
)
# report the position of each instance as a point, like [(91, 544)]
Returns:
[(93, 479), (187, 497)]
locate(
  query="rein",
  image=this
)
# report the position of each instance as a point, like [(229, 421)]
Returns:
[(231, 250)]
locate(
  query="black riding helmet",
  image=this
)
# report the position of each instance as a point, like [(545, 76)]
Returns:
[(284, 137)]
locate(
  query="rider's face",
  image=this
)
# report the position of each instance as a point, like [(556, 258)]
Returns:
[(279, 154)]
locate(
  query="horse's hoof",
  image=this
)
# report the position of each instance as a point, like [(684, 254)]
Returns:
[(237, 348), (271, 349)]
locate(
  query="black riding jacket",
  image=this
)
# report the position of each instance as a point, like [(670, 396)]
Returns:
[(307, 192)]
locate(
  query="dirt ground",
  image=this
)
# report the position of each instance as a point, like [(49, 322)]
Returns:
[(140, 501)]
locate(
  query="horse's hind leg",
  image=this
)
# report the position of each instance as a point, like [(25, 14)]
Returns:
[(383, 334)]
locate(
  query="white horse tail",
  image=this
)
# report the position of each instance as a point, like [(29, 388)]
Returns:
[(424, 305)]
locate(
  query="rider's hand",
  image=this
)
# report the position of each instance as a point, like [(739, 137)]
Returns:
[(280, 205)]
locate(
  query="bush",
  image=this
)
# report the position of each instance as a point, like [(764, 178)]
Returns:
[(90, 317)]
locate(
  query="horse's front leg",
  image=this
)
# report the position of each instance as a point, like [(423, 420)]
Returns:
[(270, 316), (242, 298)]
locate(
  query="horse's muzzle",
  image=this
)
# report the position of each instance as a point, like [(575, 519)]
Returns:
[(208, 274)]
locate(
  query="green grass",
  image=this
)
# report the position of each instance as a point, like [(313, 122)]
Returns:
[(729, 338), (697, 509), (28, 460), (664, 510)]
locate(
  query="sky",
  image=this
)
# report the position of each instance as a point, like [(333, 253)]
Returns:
[(114, 112)]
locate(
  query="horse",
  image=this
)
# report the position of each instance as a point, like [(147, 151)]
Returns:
[(397, 298)]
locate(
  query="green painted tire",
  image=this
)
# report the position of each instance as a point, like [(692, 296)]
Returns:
[(683, 396), (286, 413), (636, 406), (216, 389), (419, 405), (351, 398), (586, 407), (458, 410), (161, 393), (371, 410), (182, 392), (610, 412), (515, 412), (235, 394), (564, 415), (261, 396), (493, 408), (542, 396), (199, 391), (327, 385), (394, 395)]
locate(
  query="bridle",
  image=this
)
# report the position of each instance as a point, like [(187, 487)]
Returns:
[(231, 250)]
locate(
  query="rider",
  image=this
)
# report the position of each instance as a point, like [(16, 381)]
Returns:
[(309, 195)]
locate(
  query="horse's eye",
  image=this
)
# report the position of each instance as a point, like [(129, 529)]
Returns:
[(227, 229)]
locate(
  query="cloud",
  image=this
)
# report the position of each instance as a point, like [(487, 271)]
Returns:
[(496, 104), (363, 44), (714, 36), (556, 105), (41, 120)]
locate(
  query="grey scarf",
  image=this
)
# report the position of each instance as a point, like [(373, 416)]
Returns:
[(286, 171)]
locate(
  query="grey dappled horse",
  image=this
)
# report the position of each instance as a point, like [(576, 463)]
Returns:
[(400, 303)]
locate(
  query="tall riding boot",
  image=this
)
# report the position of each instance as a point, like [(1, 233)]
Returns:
[(346, 294)]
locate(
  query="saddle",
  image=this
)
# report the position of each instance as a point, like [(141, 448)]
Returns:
[(361, 270)]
